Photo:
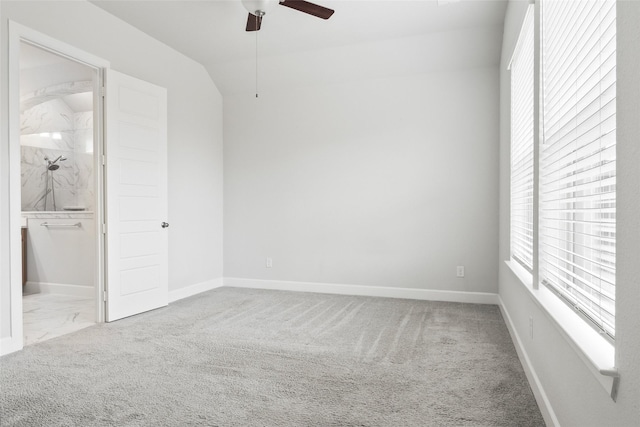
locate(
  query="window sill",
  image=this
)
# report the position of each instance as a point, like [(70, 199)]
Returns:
[(596, 352)]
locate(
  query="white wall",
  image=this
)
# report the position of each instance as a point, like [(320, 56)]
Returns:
[(385, 182), (575, 395), (194, 131)]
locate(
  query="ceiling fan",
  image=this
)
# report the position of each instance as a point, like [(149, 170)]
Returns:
[(258, 8)]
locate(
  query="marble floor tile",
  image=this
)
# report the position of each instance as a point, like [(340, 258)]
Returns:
[(47, 316)]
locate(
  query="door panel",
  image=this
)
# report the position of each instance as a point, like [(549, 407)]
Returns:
[(136, 193)]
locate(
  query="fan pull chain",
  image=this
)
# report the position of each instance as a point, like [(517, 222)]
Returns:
[(257, 18)]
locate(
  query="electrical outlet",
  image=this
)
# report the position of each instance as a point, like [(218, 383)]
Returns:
[(460, 271), (531, 327), (269, 262)]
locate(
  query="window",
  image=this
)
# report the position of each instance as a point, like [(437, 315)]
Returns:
[(574, 162), (577, 156), (522, 67)]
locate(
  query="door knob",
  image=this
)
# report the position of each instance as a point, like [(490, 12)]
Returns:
[(165, 224)]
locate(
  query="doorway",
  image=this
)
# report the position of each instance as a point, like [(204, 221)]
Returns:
[(56, 180), (57, 193)]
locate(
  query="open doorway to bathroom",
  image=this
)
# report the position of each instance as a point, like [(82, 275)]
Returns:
[(58, 193)]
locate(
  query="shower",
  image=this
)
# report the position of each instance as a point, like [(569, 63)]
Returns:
[(50, 181)]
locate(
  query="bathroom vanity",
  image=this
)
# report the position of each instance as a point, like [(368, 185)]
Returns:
[(59, 257)]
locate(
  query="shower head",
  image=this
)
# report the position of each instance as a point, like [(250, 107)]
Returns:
[(51, 165)]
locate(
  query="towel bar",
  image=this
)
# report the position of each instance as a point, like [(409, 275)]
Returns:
[(46, 224)]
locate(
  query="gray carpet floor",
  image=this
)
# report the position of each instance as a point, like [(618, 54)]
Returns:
[(242, 357)]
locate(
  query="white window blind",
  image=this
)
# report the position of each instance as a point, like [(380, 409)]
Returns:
[(522, 67), (577, 156)]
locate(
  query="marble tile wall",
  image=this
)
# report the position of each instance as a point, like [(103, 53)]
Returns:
[(50, 129)]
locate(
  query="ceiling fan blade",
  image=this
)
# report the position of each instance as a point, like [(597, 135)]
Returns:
[(310, 8), (254, 22)]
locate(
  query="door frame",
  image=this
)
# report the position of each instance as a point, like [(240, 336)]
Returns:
[(19, 33)]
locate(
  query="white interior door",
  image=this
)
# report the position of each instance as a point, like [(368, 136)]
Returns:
[(136, 196)]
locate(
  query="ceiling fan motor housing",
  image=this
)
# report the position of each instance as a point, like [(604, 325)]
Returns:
[(258, 7)]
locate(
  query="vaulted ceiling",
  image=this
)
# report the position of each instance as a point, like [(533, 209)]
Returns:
[(363, 39)]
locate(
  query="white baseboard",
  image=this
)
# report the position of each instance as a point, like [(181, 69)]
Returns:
[(9, 345), (538, 391), (87, 291), (372, 291), (188, 291)]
